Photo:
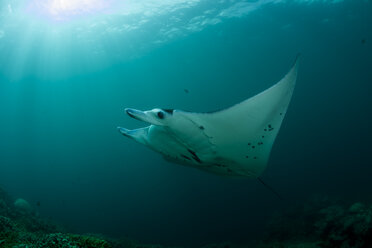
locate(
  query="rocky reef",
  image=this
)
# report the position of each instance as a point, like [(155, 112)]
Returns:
[(21, 227), (319, 223), (322, 223)]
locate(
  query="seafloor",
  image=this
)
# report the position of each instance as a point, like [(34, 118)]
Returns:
[(320, 222)]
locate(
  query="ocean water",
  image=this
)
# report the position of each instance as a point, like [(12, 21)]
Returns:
[(69, 68)]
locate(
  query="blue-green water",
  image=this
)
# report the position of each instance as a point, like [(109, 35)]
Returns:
[(68, 70)]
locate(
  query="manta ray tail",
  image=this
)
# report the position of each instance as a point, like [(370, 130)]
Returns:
[(270, 188)]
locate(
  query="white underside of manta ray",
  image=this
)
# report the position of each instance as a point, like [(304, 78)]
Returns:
[(236, 141)]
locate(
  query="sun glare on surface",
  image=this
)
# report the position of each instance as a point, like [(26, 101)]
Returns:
[(63, 10)]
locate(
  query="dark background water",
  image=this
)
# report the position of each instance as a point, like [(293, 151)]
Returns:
[(60, 106)]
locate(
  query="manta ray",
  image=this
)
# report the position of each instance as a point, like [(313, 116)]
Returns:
[(236, 141)]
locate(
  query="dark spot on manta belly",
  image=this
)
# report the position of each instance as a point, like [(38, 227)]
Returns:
[(269, 127), (201, 127)]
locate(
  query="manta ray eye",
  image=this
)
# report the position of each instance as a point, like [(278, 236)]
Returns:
[(160, 114)]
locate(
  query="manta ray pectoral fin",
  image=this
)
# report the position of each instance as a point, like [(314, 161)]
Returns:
[(138, 135), (245, 132)]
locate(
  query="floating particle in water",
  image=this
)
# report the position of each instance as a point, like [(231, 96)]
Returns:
[(186, 91)]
